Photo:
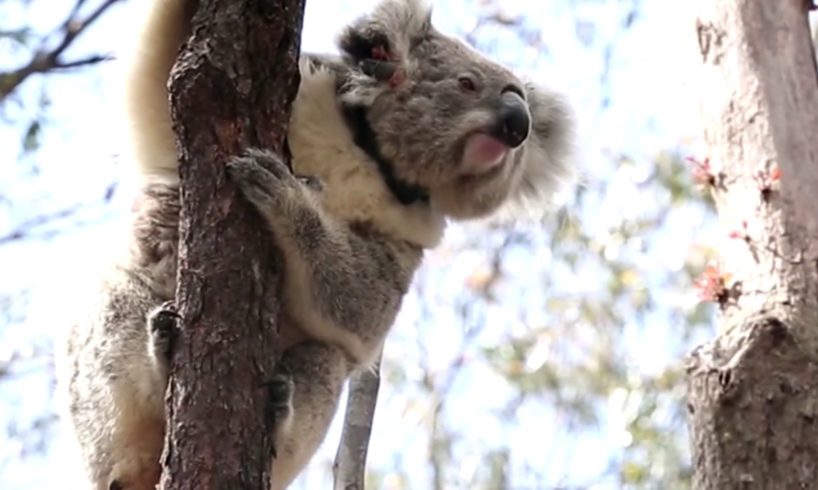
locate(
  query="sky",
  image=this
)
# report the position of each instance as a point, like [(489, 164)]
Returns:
[(623, 96)]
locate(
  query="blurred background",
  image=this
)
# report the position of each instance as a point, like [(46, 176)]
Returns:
[(532, 356)]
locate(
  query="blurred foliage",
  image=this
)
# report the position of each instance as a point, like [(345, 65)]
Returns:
[(582, 320), (40, 54), (578, 362)]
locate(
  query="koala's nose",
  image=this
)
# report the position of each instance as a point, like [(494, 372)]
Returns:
[(513, 121)]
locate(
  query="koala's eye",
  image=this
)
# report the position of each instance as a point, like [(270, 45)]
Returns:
[(467, 84)]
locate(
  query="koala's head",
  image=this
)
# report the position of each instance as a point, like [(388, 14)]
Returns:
[(449, 120)]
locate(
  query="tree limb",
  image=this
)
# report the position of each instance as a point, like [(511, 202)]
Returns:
[(46, 60), (349, 468)]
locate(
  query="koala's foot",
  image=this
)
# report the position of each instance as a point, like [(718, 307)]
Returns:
[(280, 400), (163, 324)]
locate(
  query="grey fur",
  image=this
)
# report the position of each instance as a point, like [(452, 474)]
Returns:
[(338, 276), (349, 247), (442, 115), (115, 380)]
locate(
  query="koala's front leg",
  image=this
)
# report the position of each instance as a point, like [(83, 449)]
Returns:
[(341, 286)]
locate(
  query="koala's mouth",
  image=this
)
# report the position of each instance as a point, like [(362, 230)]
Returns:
[(483, 154)]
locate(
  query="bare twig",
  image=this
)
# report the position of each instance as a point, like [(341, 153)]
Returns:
[(349, 468), (46, 60), (25, 228), (90, 60)]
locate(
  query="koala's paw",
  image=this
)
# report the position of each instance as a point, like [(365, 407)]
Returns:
[(262, 176), (280, 400), (163, 323)]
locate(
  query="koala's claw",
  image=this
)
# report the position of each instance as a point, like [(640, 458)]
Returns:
[(261, 176), (313, 183), (115, 485), (281, 388), (280, 398), (163, 322)]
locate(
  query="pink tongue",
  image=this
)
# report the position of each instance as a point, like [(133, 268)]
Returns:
[(482, 153)]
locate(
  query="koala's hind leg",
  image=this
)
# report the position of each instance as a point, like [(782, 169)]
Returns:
[(116, 386), (136, 456), (318, 372), (140, 433)]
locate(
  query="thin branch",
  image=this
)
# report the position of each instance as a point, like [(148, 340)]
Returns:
[(25, 228), (91, 60), (73, 27), (45, 61), (76, 10), (349, 468)]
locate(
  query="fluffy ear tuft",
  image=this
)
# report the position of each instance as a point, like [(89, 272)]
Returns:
[(388, 32), (547, 158)]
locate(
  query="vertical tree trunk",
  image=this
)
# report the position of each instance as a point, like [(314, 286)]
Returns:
[(231, 88), (753, 391)]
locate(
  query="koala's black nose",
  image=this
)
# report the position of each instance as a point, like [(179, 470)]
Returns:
[(513, 121)]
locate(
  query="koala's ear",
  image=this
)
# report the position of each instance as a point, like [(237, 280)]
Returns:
[(388, 33), (547, 154), (363, 40)]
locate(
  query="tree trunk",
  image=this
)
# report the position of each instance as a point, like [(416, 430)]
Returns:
[(231, 88), (753, 391)]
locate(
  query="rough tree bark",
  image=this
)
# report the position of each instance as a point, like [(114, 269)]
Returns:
[(231, 88), (753, 391)]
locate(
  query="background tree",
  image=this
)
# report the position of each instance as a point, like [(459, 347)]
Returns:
[(754, 388)]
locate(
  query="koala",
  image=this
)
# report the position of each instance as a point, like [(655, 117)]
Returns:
[(404, 130)]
